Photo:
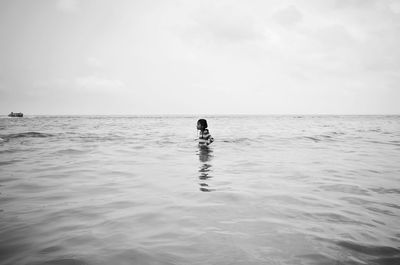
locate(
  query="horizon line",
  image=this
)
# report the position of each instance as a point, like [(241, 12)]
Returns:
[(214, 114)]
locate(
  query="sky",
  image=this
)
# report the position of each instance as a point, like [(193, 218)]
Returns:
[(199, 57)]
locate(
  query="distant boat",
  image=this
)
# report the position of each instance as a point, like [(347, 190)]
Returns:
[(16, 114)]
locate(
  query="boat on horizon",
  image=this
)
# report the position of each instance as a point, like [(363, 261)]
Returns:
[(16, 114)]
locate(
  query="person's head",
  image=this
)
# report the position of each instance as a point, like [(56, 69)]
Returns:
[(202, 124)]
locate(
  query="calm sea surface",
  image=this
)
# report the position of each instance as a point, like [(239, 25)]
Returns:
[(139, 190)]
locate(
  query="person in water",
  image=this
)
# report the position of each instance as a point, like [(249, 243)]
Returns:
[(204, 135)]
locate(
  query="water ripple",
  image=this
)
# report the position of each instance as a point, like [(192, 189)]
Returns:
[(138, 190)]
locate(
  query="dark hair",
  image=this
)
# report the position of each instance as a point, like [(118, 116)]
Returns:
[(202, 124)]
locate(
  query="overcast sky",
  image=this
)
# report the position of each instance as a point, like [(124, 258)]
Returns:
[(207, 57)]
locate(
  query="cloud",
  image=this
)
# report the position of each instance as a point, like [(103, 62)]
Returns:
[(94, 62), (354, 3), (288, 16), (138, 50), (68, 6), (98, 84), (223, 24), (395, 7), (334, 36), (2, 88)]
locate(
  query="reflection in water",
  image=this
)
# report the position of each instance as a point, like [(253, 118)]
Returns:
[(205, 156)]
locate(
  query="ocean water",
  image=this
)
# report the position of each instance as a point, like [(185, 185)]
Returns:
[(139, 190)]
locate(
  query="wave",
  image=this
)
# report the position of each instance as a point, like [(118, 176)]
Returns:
[(10, 162), (395, 143), (6, 137), (70, 151), (319, 138), (382, 190), (241, 140), (334, 136), (380, 251)]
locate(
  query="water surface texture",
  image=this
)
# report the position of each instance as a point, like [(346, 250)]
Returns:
[(139, 190)]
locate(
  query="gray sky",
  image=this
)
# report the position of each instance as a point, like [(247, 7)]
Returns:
[(209, 57)]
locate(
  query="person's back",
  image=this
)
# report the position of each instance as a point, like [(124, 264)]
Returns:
[(204, 135)]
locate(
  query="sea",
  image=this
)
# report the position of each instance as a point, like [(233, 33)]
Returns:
[(140, 190)]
